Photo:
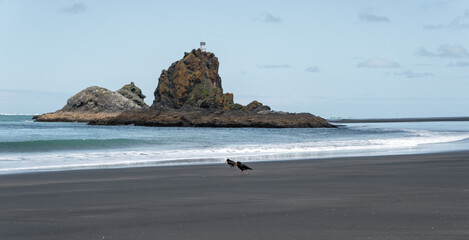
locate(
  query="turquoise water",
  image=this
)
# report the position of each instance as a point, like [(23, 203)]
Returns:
[(28, 146)]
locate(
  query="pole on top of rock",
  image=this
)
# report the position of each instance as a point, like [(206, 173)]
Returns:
[(202, 46)]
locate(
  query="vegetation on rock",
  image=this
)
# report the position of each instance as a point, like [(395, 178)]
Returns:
[(192, 81)]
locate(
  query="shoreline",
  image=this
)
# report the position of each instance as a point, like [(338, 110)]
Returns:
[(420, 196), (166, 164)]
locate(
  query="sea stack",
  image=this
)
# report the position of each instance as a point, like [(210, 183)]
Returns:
[(192, 81), (189, 93)]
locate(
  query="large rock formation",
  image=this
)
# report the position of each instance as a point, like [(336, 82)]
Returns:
[(97, 99), (96, 102), (192, 81), (188, 94)]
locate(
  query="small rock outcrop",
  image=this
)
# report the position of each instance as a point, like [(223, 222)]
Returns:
[(256, 106), (192, 81), (132, 92)]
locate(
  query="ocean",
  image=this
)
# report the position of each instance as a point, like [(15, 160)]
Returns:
[(28, 146)]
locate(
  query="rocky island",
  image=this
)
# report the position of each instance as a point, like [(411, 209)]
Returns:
[(189, 94)]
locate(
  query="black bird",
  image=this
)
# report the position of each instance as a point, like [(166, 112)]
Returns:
[(230, 162), (242, 167)]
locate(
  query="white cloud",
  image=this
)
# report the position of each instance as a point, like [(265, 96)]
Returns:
[(446, 50), (367, 15), (377, 63), (312, 69), (411, 74), (76, 8), (459, 23)]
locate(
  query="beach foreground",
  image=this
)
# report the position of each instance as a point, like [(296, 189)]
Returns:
[(390, 197)]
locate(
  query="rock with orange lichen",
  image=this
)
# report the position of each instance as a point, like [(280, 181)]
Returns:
[(192, 81)]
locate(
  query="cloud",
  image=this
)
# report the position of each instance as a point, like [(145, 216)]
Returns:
[(446, 50), (425, 53), (411, 74), (367, 15), (459, 23), (269, 18), (312, 69), (436, 4), (377, 63), (459, 64), (274, 66), (76, 8)]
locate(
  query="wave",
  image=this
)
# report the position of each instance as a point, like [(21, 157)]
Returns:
[(16, 114), (67, 145), (148, 156)]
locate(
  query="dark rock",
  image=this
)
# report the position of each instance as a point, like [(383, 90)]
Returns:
[(210, 117)]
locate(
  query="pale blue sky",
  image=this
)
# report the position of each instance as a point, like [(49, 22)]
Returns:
[(355, 59)]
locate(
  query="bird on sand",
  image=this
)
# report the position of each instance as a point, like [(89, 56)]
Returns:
[(230, 162), (242, 167)]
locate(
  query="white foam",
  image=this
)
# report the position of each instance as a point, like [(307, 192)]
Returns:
[(14, 163), (16, 114)]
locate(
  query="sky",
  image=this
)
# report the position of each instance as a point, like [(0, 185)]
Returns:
[(335, 59)]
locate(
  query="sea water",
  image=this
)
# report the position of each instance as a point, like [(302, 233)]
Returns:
[(28, 146)]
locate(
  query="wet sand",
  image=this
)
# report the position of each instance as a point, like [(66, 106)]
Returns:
[(390, 197)]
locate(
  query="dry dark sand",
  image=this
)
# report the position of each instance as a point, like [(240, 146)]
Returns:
[(391, 197)]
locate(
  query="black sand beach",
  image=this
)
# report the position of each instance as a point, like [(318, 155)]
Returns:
[(391, 197)]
